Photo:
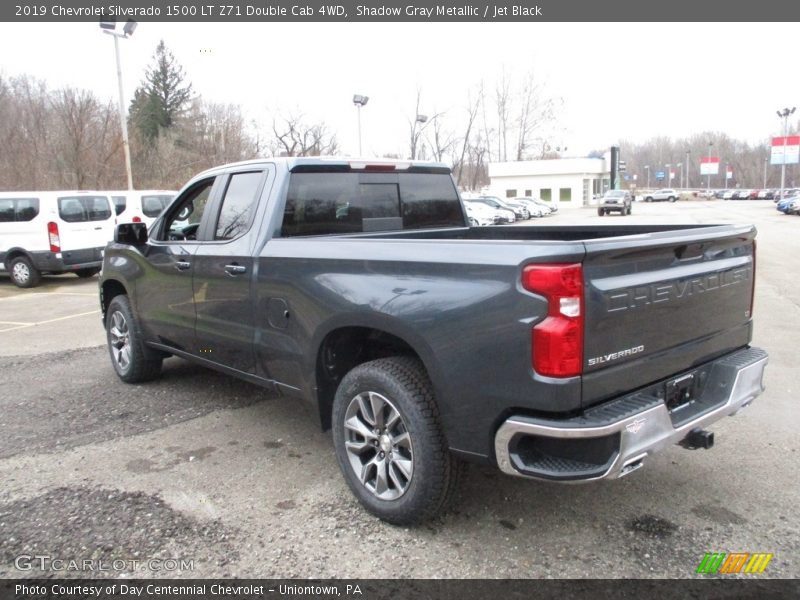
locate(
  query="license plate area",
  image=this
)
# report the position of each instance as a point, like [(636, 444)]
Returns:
[(680, 392)]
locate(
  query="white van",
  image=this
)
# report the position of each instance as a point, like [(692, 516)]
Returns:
[(53, 232), (140, 206)]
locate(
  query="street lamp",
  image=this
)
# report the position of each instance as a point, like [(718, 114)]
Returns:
[(647, 168), (687, 169), (421, 119), (668, 174), (784, 114), (708, 180), (680, 173), (110, 27), (766, 162), (360, 101)]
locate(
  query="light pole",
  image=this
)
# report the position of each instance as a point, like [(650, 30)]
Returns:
[(668, 174), (110, 27), (680, 171), (421, 119), (687, 169), (708, 177), (647, 168), (766, 162), (784, 114), (360, 101)]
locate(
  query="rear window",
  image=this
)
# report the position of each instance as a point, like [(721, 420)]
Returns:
[(152, 205), (329, 203), (78, 209), (18, 209)]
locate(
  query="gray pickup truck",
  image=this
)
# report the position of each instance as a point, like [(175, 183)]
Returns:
[(559, 353)]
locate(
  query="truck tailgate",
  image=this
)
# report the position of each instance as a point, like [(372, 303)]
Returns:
[(660, 303)]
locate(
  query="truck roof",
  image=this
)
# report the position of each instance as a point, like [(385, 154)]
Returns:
[(292, 162)]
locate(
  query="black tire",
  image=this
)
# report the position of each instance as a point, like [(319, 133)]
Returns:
[(23, 273), (141, 363), (672, 198), (648, 199), (403, 382), (630, 209), (86, 273), (600, 212)]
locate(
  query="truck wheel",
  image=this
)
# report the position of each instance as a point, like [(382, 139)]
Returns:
[(132, 361), (600, 212), (648, 199), (389, 442), (23, 273), (630, 209), (86, 273), (672, 198)]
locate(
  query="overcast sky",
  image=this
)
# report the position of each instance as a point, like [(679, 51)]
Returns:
[(617, 81)]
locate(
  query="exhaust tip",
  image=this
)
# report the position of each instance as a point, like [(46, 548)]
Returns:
[(698, 438)]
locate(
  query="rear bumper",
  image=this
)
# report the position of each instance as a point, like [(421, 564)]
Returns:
[(67, 261), (613, 439)]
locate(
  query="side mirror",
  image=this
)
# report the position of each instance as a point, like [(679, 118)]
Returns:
[(131, 234)]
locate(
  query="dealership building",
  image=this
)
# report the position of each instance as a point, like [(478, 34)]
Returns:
[(570, 181)]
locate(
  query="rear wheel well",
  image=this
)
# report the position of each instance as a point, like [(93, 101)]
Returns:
[(346, 348), (111, 288), (14, 253)]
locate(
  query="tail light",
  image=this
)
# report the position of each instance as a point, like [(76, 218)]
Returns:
[(137, 219), (557, 341), (52, 234)]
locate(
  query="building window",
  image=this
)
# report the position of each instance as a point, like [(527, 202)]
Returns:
[(565, 195), (528, 193), (596, 188), (546, 194), (511, 193), (586, 191)]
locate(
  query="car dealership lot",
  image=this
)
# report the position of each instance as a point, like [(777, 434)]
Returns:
[(201, 467)]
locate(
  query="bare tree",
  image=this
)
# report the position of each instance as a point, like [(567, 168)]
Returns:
[(293, 136), (472, 112), (536, 111)]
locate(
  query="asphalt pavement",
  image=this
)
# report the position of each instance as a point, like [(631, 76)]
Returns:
[(200, 475)]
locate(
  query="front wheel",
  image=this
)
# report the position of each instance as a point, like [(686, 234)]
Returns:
[(389, 442), (630, 209), (132, 361), (600, 212), (648, 199)]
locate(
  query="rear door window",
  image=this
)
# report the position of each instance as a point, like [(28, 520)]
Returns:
[(80, 209), (347, 202), (238, 205)]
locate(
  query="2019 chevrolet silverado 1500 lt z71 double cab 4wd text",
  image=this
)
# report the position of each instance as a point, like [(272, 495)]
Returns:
[(558, 353)]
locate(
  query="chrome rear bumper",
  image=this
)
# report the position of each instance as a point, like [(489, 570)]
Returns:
[(614, 439)]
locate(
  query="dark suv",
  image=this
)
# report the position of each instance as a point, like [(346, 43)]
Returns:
[(615, 201)]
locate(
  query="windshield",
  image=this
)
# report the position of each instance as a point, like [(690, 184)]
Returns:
[(615, 194)]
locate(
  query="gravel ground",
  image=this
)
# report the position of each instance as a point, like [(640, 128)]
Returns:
[(200, 467)]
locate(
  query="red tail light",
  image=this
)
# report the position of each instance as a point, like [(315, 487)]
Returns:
[(52, 234), (557, 342), (136, 219)]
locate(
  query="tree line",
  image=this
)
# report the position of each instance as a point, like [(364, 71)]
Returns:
[(69, 138)]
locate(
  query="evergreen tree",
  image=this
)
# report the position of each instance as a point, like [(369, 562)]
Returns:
[(163, 96)]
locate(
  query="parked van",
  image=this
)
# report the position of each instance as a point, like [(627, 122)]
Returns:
[(53, 232), (140, 206)]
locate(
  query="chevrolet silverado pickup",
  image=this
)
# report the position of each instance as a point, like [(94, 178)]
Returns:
[(560, 353)]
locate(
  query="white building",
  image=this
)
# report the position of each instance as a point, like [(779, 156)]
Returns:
[(570, 181)]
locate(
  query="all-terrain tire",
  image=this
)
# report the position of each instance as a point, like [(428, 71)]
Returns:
[(131, 359)]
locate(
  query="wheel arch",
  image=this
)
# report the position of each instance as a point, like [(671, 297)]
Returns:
[(347, 343), (110, 289)]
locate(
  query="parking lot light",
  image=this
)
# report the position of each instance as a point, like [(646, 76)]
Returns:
[(110, 27), (784, 114), (360, 100)]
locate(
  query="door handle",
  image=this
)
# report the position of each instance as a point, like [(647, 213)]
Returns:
[(182, 265), (235, 269)]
